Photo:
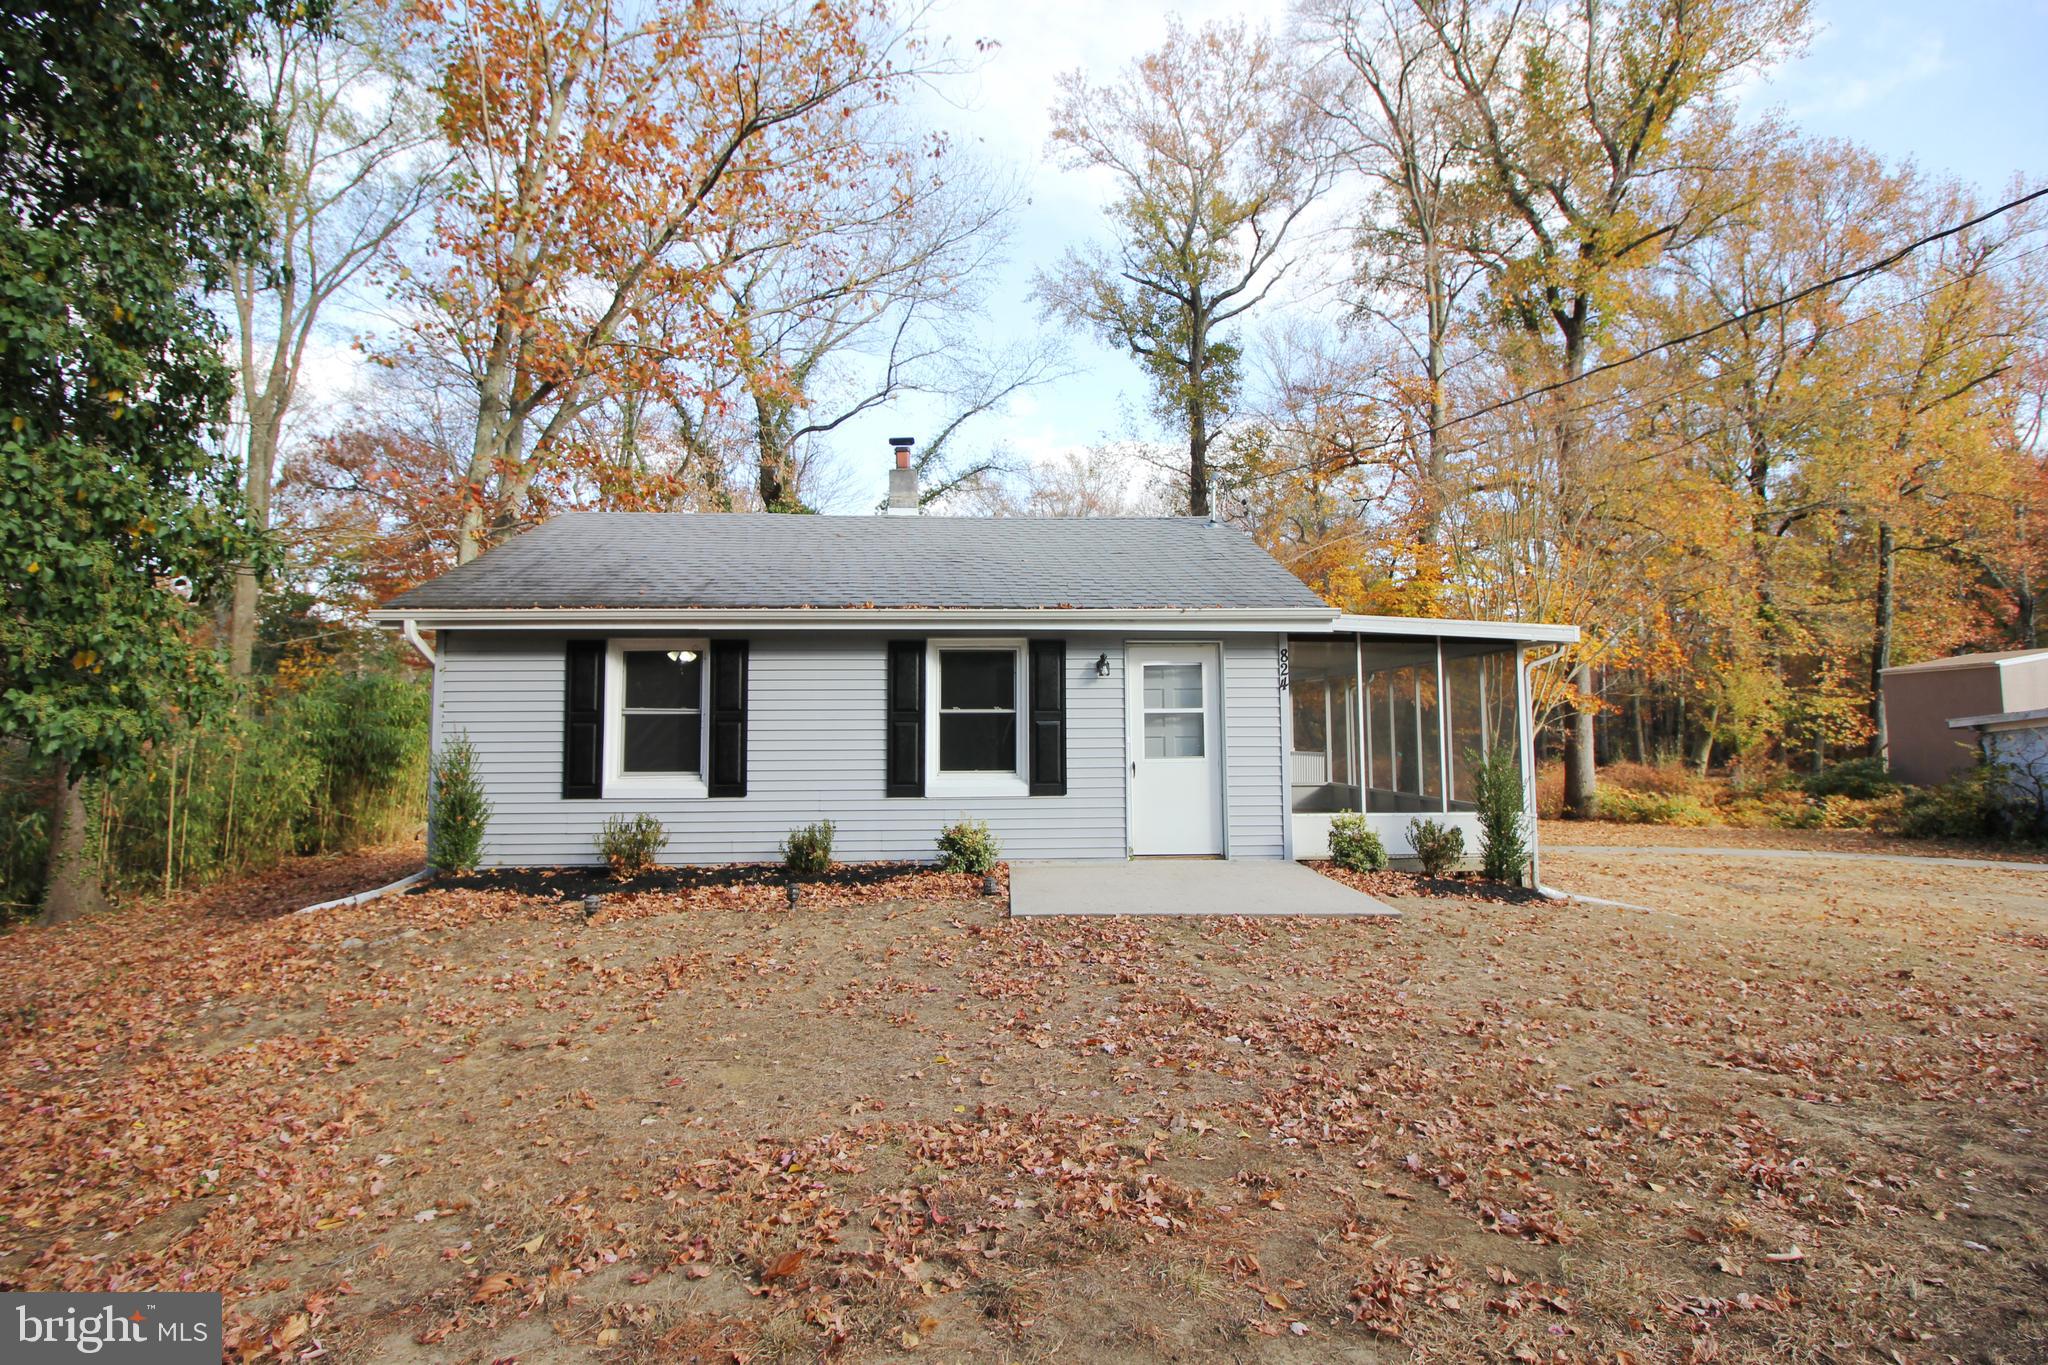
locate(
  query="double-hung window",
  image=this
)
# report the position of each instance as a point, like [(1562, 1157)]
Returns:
[(655, 739), (977, 701)]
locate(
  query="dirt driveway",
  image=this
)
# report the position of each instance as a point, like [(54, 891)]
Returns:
[(1791, 1115)]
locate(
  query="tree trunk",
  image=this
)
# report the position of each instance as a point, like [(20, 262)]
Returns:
[(72, 886), (1580, 779), (1433, 371), (266, 429), (1704, 755), (1198, 416), (1642, 737), (1881, 635), (775, 480)]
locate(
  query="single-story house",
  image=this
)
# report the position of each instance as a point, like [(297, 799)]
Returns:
[(1100, 688), (1921, 700)]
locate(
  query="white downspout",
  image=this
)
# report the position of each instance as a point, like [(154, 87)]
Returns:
[(411, 631), (1527, 722)]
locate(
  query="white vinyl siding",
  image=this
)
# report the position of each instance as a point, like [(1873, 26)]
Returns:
[(815, 736), (815, 733), (1255, 768)]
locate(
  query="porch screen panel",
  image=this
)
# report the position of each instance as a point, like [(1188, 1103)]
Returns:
[(1379, 720), (1324, 766), (1404, 710), (1480, 680)]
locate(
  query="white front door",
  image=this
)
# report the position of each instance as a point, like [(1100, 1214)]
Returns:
[(1176, 749)]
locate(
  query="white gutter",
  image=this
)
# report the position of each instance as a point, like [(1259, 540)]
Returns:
[(1528, 632), (411, 629), (1311, 620)]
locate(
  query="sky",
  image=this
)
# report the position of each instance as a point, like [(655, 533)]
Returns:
[(1954, 86)]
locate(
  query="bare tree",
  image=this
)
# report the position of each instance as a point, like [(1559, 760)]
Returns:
[(1391, 104), (357, 167), (876, 295)]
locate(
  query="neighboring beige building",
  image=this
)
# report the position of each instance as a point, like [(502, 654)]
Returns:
[(1921, 699)]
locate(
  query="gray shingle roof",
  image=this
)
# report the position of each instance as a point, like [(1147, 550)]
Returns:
[(756, 560)]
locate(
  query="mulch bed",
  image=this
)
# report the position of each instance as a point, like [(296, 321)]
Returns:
[(1460, 886), (730, 885)]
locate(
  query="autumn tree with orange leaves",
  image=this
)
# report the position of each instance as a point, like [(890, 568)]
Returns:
[(604, 156)]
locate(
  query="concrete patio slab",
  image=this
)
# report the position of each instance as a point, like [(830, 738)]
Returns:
[(1183, 886)]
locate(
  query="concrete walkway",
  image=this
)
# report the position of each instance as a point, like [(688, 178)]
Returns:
[(1183, 886), (1846, 855)]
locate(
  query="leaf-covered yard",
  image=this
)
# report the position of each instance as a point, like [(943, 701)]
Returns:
[(1791, 1114)]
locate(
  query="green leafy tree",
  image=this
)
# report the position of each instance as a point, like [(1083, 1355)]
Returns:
[(131, 164)]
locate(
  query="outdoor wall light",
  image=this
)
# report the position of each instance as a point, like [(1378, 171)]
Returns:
[(1102, 665)]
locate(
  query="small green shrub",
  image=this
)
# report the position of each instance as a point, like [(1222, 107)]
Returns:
[(629, 846), (968, 846), (1862, 779), (1438, 847), (1652, 808), (1972, 805), (461, 814), (1503, 834), (807, 852), (1356, 847)]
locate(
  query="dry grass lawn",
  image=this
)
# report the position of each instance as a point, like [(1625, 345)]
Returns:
[(1791, 1115)]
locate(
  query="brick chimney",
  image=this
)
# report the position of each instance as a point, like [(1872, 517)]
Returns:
[(902, 479)]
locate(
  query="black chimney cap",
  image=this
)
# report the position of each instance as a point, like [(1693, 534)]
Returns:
[(901, 441)]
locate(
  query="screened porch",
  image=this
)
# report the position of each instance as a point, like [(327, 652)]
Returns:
[(1394, 727)]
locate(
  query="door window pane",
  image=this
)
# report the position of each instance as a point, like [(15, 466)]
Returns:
[(1173, 734), (1173, 685)]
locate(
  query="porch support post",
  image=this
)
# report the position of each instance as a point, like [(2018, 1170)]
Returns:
[(1443, 732), (1527, 744)]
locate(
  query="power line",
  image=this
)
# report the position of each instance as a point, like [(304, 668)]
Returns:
[(1636, 401), (1883, 263)]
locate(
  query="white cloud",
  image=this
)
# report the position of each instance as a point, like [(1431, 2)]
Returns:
[(1849, 70)]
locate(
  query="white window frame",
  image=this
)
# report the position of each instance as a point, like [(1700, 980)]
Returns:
[(1016, 782), (619, 782)]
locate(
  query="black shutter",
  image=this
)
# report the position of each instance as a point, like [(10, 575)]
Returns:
[(728, 765), (905, 740), (583, 721), (1048, 717)]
